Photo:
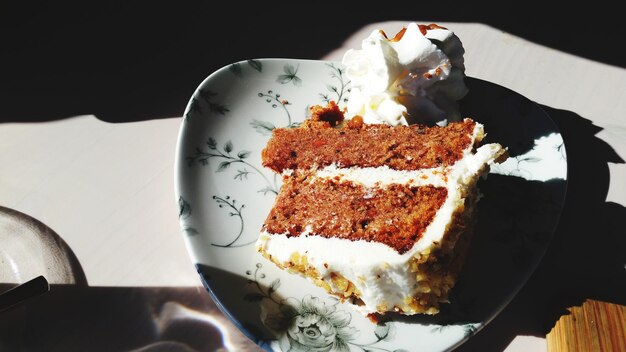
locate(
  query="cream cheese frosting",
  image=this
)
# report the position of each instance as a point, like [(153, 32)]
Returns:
[(417, 76)]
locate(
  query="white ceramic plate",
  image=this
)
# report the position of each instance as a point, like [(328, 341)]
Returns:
[(224, 195)]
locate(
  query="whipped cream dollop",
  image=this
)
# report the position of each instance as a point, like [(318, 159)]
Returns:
[(415, 77)]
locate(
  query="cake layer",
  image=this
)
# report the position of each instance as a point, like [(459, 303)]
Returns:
[(374, 277), (402, 147), (395, 214)]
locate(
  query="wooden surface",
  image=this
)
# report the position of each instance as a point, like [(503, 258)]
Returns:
[(594, 326)]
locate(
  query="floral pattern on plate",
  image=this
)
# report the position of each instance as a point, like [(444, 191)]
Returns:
[(224, 195)]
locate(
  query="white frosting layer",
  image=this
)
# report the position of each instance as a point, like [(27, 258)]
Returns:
[(418, 78), (379, 272), (382, 176)]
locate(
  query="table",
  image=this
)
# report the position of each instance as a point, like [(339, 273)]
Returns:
[(105, 191)]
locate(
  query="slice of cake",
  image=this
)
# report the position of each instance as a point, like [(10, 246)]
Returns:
[(380, 216)]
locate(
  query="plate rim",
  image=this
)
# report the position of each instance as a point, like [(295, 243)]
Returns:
[(179, 175)]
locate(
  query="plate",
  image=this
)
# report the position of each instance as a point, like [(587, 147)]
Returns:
[(224, 195)]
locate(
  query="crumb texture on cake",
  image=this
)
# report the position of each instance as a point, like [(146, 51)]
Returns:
[(396, 215), (402, 147)]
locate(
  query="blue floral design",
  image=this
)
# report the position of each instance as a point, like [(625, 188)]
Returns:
[(317, 327), (310, 324)]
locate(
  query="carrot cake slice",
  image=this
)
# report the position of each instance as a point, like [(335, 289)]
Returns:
[(380, 216)]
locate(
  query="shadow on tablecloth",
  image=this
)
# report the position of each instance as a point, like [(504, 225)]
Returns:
[(120, 319), (139, 60), (586, 257)]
